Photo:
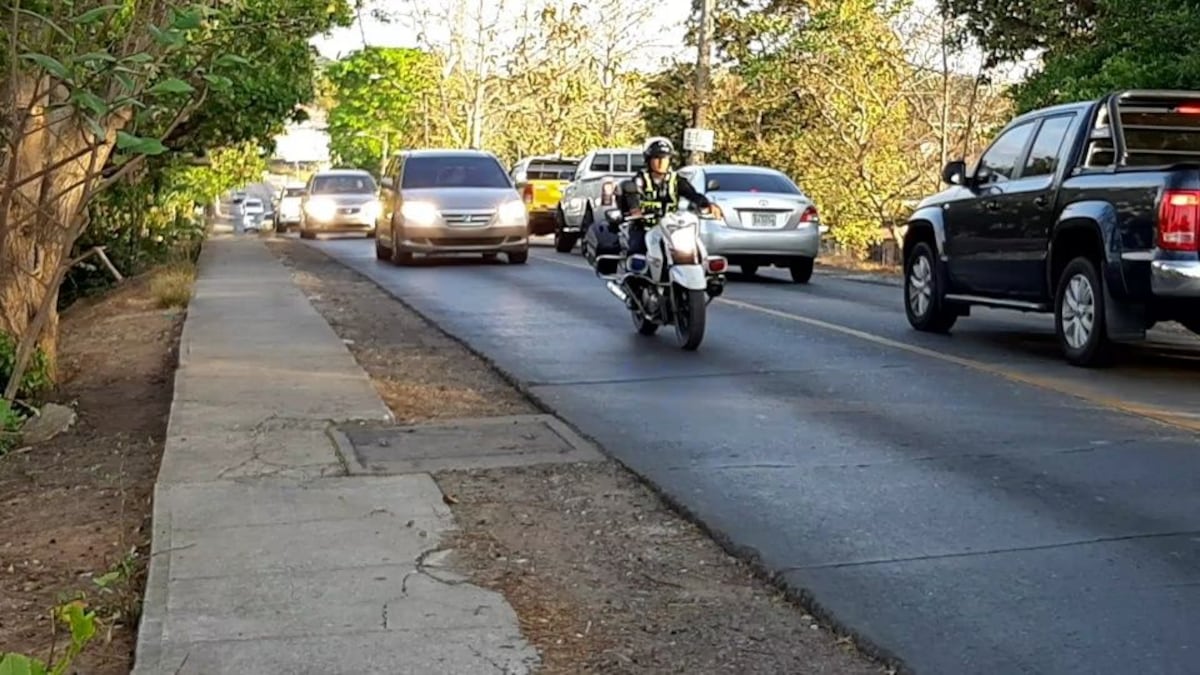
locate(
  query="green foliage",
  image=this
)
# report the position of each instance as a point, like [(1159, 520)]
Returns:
[(82, 625), (1091, 47), (36, 379), (379, 96)]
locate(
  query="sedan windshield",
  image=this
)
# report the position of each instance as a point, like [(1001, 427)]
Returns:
[(343, 184), (747, 181), (454, 172)]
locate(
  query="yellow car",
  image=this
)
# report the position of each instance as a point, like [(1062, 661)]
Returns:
[(540, 180)]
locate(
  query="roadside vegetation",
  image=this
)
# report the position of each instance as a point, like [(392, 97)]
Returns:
[(119, 125)]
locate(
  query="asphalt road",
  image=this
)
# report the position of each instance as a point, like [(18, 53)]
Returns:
[(968, 504)]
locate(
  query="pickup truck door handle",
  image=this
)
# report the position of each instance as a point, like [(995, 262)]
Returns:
[(1040, 202), (992, 205)]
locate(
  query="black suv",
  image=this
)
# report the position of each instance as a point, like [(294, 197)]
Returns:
[(1088, 210)]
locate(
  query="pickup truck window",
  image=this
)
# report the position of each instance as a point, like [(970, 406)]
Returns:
[(1046, 153), (602, 163), (620, 163), (544, 170), (1003, 157)]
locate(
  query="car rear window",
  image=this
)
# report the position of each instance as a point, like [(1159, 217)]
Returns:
[(752, 181), (343, 184), (451, 171), (547, 170)]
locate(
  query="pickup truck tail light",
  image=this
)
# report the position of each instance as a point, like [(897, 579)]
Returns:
[(1179, 221), (527, 194), (608, 191)]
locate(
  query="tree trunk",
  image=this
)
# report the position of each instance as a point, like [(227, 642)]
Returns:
[(50, 167)]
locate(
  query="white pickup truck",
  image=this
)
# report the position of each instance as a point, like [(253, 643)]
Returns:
[(592, 191)]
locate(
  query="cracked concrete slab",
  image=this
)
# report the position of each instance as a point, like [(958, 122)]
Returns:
[(476, 443), (265, 557)]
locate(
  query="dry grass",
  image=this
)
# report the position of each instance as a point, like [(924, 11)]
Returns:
[(172, 285)]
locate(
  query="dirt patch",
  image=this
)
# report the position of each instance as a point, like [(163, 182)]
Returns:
[(603, 576), (78, 507), (419, 372)]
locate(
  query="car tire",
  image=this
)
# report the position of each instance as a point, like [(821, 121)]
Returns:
[(1080, 316), (308, 234), (518, 257), (802, 270), (381, 251), (924, 292), (563, 243), (748, 270)]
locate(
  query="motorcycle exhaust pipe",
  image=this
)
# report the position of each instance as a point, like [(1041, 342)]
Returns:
[(616, 290)]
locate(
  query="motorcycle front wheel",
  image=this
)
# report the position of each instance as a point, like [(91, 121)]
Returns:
[(690, 316)]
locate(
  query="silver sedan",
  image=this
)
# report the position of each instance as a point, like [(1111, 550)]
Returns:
[(768, 219)]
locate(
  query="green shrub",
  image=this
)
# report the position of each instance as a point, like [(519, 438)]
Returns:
[(37, 375)]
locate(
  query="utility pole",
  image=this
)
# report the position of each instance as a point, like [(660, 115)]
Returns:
[(700, 104)]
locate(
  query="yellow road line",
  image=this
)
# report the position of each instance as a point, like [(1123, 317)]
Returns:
[(1180, 421)]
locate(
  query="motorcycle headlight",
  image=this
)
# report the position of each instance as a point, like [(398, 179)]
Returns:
[(511, 213), (419, 213), (321, 208), (684, 240)]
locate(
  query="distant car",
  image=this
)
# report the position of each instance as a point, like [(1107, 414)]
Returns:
[(541, 180), (768, 218), (287, 208), (450, 201), (252, 213), (339, 201)]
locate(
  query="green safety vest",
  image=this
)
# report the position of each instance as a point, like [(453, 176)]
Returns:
[(654, 197)]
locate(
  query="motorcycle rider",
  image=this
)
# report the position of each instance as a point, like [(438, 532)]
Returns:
[(654, 192)]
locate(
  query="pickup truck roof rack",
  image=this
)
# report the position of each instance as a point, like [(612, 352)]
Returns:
[(1110, 126)]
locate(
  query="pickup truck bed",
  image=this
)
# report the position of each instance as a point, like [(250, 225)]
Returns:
[(1088, 210)]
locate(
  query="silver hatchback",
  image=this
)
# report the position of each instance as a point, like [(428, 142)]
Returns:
[(768, 219)]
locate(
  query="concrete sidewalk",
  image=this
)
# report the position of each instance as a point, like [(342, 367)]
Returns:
[(266, 557)]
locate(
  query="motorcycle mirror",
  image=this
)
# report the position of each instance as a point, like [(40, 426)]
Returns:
[(613, 216)]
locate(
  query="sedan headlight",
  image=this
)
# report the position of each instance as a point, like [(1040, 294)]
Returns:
[(321, 208), (419, 213), (511, 213)]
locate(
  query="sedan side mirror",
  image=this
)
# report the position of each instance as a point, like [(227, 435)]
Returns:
[(955, 173)]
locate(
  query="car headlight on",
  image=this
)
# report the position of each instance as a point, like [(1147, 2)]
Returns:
[(372, 209), (419, 213), (321, 208), (511, 213)]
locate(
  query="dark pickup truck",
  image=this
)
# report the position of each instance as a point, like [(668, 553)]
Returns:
[(1088, 210)]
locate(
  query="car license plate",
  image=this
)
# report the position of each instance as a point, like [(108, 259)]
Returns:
[(762, 221)]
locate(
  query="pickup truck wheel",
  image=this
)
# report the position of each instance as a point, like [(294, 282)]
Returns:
[(563, 243), (518, 257), (1079, 315), (924, 292)]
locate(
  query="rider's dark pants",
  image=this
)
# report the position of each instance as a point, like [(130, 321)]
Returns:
[(637, 239)]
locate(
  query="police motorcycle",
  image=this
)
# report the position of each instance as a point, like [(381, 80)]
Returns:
[(673, 282)]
